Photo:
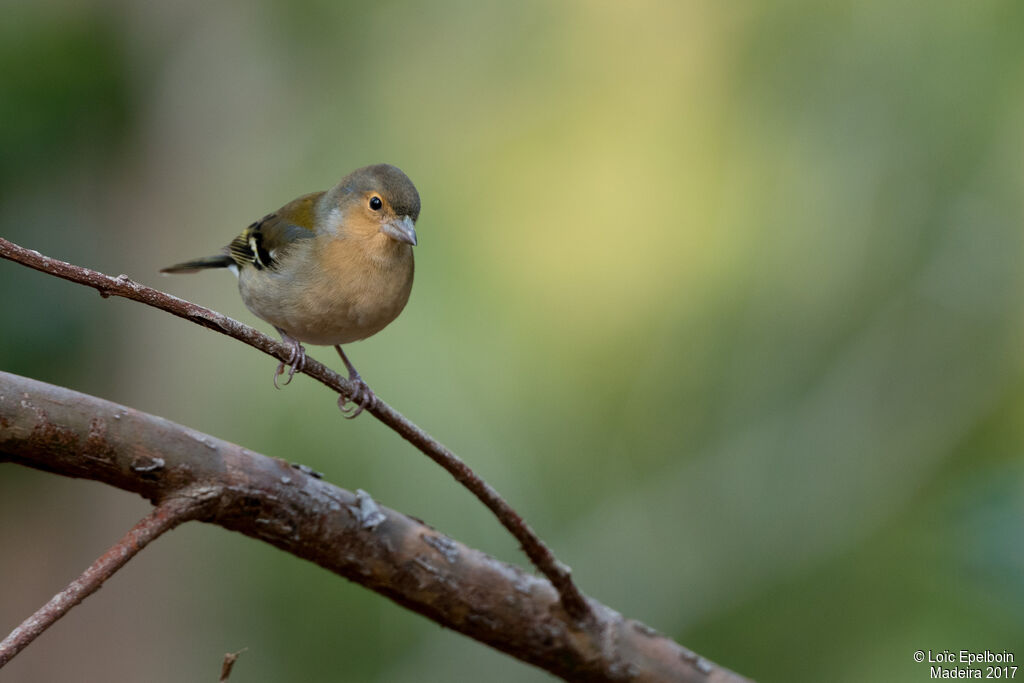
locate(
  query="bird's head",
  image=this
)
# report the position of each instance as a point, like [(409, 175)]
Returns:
[(371, 200)]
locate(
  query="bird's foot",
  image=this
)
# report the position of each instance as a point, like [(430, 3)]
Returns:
[(361, 399), (362, 396), (295, 363)]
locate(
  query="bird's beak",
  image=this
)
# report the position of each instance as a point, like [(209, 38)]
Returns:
[(400, 230)]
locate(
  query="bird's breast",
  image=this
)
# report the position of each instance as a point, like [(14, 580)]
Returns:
[(349, 292)]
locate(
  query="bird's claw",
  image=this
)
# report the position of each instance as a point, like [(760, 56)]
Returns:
[(361, 398), (296, 362)]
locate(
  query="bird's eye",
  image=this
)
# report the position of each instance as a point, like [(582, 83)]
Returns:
[(376, 203)]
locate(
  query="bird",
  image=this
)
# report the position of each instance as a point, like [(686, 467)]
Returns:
[(328, 268)]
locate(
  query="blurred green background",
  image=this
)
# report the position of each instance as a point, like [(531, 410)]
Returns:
[(725, 298)]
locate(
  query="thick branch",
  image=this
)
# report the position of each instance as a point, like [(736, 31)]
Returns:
[(164, 517), (61, 431), (538, 552)]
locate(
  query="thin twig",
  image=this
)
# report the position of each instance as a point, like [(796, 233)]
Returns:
[(540, 555), (288, 506), (163, 517), (229, 663)]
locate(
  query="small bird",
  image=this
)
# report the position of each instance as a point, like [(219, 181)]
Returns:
[(328, 268)]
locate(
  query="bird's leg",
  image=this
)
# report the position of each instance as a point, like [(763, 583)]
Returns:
[(362, 397), (296, 359)]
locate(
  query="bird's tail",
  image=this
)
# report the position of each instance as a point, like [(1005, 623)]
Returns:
[(195, 265)]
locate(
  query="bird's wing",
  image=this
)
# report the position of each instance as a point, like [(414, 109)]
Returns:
[(262, 244)]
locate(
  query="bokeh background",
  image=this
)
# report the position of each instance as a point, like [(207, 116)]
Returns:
[(726, 298)]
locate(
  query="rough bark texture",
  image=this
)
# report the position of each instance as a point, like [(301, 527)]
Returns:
[(65, 432)]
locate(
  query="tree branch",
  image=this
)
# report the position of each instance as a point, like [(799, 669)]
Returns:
[(61, 431), (229, 663), (559, 574), (164, 517)]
